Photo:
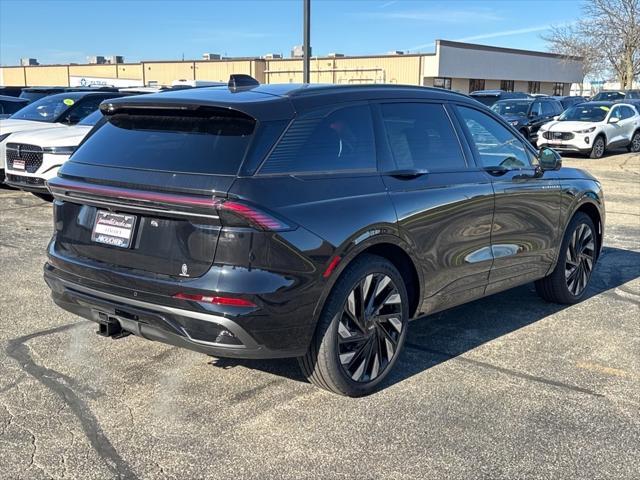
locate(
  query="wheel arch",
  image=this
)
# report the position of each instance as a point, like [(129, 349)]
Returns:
[(393, 249)]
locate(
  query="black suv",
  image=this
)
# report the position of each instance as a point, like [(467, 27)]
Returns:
[(489, 97), (529, 114), (310, 221), (615, 95), (569, 100), (36, 93)]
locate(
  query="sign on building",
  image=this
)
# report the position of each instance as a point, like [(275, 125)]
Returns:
[(76, 81)]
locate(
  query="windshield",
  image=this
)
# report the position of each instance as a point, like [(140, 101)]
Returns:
[(608, 96), (514, 107), (91, 119), (47, 109), (585, 113)]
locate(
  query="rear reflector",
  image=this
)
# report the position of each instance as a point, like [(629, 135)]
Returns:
[(230, 301), (332, 266)]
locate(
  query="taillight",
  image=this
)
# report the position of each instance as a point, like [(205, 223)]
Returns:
[(236, 213), (229, 301)]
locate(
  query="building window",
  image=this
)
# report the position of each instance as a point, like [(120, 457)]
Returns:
[(439, 82), (534, 87), (475, 85), (506, 85), (558, 89)]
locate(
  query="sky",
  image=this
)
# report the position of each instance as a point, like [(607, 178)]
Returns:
[(65, 31)]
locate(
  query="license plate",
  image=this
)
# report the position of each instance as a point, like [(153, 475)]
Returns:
[(18, 165), (113, 229)]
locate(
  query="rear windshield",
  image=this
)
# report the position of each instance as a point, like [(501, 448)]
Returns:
[(487, 100), (209, 142)]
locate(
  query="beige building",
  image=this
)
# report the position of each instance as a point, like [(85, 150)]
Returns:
[(453, 65)]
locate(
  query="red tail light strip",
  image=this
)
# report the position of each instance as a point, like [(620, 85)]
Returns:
[(64, 185), (259, 218)]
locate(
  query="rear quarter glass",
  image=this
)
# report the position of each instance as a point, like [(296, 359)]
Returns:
[(213, 142)]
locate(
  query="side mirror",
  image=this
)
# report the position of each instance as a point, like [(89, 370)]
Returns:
[(614, 120), (549, 159)]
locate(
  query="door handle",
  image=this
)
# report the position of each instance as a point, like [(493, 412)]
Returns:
[(408, 173), (496, 171)]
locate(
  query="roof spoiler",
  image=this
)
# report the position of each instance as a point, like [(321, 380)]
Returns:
[(239, 81)]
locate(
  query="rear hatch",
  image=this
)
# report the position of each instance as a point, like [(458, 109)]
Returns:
[(141, 192)]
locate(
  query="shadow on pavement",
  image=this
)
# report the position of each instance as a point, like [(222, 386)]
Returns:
[(445, 335)]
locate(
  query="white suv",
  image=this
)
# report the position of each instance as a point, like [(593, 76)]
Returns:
[(34, 156), (592, 128)]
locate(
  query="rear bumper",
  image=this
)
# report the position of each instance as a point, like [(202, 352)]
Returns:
[(203, 332)]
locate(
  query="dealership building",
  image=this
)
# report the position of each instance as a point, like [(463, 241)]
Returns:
[(458, 66)]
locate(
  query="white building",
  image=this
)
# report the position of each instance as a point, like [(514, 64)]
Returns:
[(467, 67)]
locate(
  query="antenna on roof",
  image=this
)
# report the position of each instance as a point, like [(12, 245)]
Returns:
[(240, 80)]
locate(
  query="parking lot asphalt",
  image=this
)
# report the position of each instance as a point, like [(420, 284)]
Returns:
[(505, 387)]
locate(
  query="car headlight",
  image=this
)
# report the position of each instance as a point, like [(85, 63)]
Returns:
[(586, 130), (59, 150), (4, 137)]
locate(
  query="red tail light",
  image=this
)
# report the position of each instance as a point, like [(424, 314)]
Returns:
[(233, 210), (230, 301)]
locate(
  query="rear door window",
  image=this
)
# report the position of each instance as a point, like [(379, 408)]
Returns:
[(326, 141), (421, 136), (212, 142)]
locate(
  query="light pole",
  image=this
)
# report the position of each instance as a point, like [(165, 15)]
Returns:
[(306, 42)]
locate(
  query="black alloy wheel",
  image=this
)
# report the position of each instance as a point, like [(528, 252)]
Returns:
[(579, 259), (362, 328), (369, 328)]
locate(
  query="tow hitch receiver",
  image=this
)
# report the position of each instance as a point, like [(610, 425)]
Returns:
[(109, 326)]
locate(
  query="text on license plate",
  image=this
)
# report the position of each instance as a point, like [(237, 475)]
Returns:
[(18, 165), (113, 229)]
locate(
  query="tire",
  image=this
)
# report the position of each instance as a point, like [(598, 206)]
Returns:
[(353, 349), (598, 148), (560, 286), (634, 146), (47, 197)]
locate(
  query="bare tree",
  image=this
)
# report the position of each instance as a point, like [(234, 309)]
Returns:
[(607, 37)]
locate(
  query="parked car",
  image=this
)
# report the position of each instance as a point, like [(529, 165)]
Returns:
[(54, 111), (568, 101), (310, 221), (36, 93), (10, 105), (35, 156), (613, 95), (489, 97), (11, 91), (527, 115), (592, 128)]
